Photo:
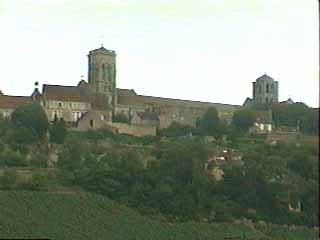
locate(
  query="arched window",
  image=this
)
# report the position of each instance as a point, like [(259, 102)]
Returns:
[(103, 72), (259, 88), (267, 89)]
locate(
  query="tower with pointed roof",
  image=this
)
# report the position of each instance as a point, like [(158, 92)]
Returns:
[(265, 90), (102, 73)]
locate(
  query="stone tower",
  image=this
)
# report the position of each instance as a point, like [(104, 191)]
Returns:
[(102, 73), (265, 90)]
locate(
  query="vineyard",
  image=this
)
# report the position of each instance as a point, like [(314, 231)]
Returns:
[(31, 215)]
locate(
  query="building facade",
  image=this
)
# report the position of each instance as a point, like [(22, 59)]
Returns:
[(265, 90), (92, 104)]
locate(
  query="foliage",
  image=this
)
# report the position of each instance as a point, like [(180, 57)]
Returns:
[(243, 120), (39, 159), (4, 126), (297, 114), (121, 118), (177, 129), (89, 216), (8, 179), (39, 181), (210, 124), (58, 131), (73, 154), (9, 157), (175, 183), (30, 123)]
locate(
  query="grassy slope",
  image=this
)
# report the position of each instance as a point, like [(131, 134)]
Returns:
[(88, 216)]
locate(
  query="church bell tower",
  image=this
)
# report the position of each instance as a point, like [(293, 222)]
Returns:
[(102, 73)]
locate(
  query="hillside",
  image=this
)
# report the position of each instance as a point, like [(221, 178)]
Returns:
[(26, 214)]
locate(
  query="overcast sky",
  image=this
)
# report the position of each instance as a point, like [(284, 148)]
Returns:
[(206, 50)]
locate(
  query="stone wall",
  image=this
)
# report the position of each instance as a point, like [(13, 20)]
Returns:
[(174, 110), (135, 130)]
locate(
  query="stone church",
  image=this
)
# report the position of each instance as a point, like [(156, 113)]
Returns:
[(92, 104)]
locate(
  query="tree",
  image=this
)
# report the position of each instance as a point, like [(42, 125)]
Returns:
[(121, 118), (297, 114), (58, 131), (9, 178), (177, 129), (209, 124), (4, 125), (32, 120), (243, 119), (182, 167)]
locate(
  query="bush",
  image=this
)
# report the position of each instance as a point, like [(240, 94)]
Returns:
[(66, 178), (39, 181), (8, 179), (12, 158), (58, 131), (39, 160), (177, 129), (32, 119), (95, 135), (121, 118)]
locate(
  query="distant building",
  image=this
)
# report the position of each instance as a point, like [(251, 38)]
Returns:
[(92, 104), (263, 122), (264, 91)]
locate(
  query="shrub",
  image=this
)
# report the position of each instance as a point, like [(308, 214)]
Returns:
[(9, 179), (39, 160), (39, 181), (121, 118), (32, 119), (12, 158)]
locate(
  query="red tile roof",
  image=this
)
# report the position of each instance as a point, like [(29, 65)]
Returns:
[(64, 93), (11, 102)]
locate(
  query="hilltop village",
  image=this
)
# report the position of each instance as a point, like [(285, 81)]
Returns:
[(96, 103), (128, 160)]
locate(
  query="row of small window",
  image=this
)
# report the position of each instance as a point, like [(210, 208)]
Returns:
[(67, 105), (175, 116), (59, 114)]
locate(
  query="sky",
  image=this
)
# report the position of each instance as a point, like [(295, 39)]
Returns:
[(205, 50)]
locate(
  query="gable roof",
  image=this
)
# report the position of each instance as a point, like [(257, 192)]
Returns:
[(248, 101), (264, 77), (102, 50), (11, 102), (126, 92), (82, 83), (64, 93), (288, 101)]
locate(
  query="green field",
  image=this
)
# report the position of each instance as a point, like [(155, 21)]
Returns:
[(27, 214)]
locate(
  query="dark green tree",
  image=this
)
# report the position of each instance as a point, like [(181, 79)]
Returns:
[(58, 131), (32, 120), (296, 115), (177, 129), (243, 119), (209, 124), (121, 118), (8, 179)]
